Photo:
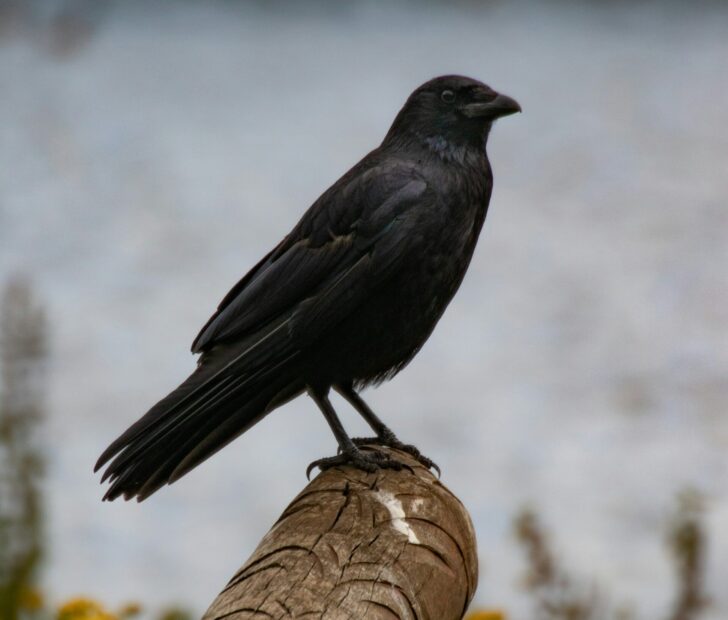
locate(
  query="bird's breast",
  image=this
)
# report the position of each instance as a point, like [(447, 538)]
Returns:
[(451, 239)]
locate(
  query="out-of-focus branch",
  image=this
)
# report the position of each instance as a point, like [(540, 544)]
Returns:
[(687, 542), (556, 596)]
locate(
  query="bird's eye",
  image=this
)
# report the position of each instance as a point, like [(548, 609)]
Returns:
[(447, 96)]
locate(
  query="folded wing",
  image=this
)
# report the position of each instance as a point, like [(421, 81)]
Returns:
[(350, 241)]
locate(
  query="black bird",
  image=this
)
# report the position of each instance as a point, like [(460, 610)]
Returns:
[(344, 301)]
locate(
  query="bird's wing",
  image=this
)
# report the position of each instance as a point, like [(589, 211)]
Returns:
[(343, 248), (351, 235)]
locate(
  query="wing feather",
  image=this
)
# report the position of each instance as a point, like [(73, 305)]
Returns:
[(327, 245)]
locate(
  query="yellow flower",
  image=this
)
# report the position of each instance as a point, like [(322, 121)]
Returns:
[(31, 599), (83, 609), (486, 614)]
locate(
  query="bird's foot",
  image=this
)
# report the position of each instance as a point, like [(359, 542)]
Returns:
[(389, 439), (369, 461)]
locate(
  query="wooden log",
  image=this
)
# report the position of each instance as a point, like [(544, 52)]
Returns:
[(352, 545)]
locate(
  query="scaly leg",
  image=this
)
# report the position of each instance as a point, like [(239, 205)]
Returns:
[(385, 436), (349, 453)]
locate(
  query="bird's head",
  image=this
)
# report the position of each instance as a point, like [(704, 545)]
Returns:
[(453, 110)]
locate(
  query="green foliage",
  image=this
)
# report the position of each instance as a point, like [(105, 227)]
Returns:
[(23, 352), (22, 356)]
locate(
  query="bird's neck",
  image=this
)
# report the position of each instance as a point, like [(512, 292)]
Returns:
[(466, 154), (469, 153)]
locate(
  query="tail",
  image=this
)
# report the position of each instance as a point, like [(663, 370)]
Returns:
[(223, 398)]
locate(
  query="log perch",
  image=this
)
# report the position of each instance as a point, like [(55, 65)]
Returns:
[(382, 546)]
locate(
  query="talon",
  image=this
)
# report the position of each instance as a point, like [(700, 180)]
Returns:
[(430, 464), (310, 467), (390, 440), (369, 461)]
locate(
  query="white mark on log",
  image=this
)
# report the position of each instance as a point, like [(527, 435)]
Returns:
[(396, 511)]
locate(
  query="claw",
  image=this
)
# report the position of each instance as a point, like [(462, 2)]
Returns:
[(367, 461), (391, 441)]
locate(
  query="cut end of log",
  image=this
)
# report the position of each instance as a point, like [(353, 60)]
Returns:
[(389, 544)]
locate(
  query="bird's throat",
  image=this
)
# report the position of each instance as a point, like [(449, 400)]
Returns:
[(446, 150)]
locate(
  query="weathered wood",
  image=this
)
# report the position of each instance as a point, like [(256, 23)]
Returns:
[(352, 545)]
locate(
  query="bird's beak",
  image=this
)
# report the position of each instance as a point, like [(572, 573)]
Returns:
[(501, 105)]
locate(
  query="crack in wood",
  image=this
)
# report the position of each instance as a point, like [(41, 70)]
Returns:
[(346, 548)]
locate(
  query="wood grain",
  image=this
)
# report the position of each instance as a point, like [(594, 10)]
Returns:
[(384, 545)]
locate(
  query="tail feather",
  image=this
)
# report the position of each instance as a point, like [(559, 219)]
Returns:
[(163, 425), (218, 434), (226, 395), (194, 451), (163, 471), (192, 386)]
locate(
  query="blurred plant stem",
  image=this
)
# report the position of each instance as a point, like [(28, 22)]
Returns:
[(556, 596), (687, 541), (22, 356)]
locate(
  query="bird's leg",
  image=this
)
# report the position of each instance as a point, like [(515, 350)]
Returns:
[(349, 453), (385, 435)]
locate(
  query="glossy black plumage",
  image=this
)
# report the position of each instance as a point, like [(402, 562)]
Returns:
[(345, 300)]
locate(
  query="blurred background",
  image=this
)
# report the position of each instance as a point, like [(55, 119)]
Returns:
[(151, 152)]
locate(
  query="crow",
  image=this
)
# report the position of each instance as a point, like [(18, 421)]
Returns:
[(344, 301)]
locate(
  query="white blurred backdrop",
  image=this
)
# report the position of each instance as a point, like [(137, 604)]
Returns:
[(149, 158)]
